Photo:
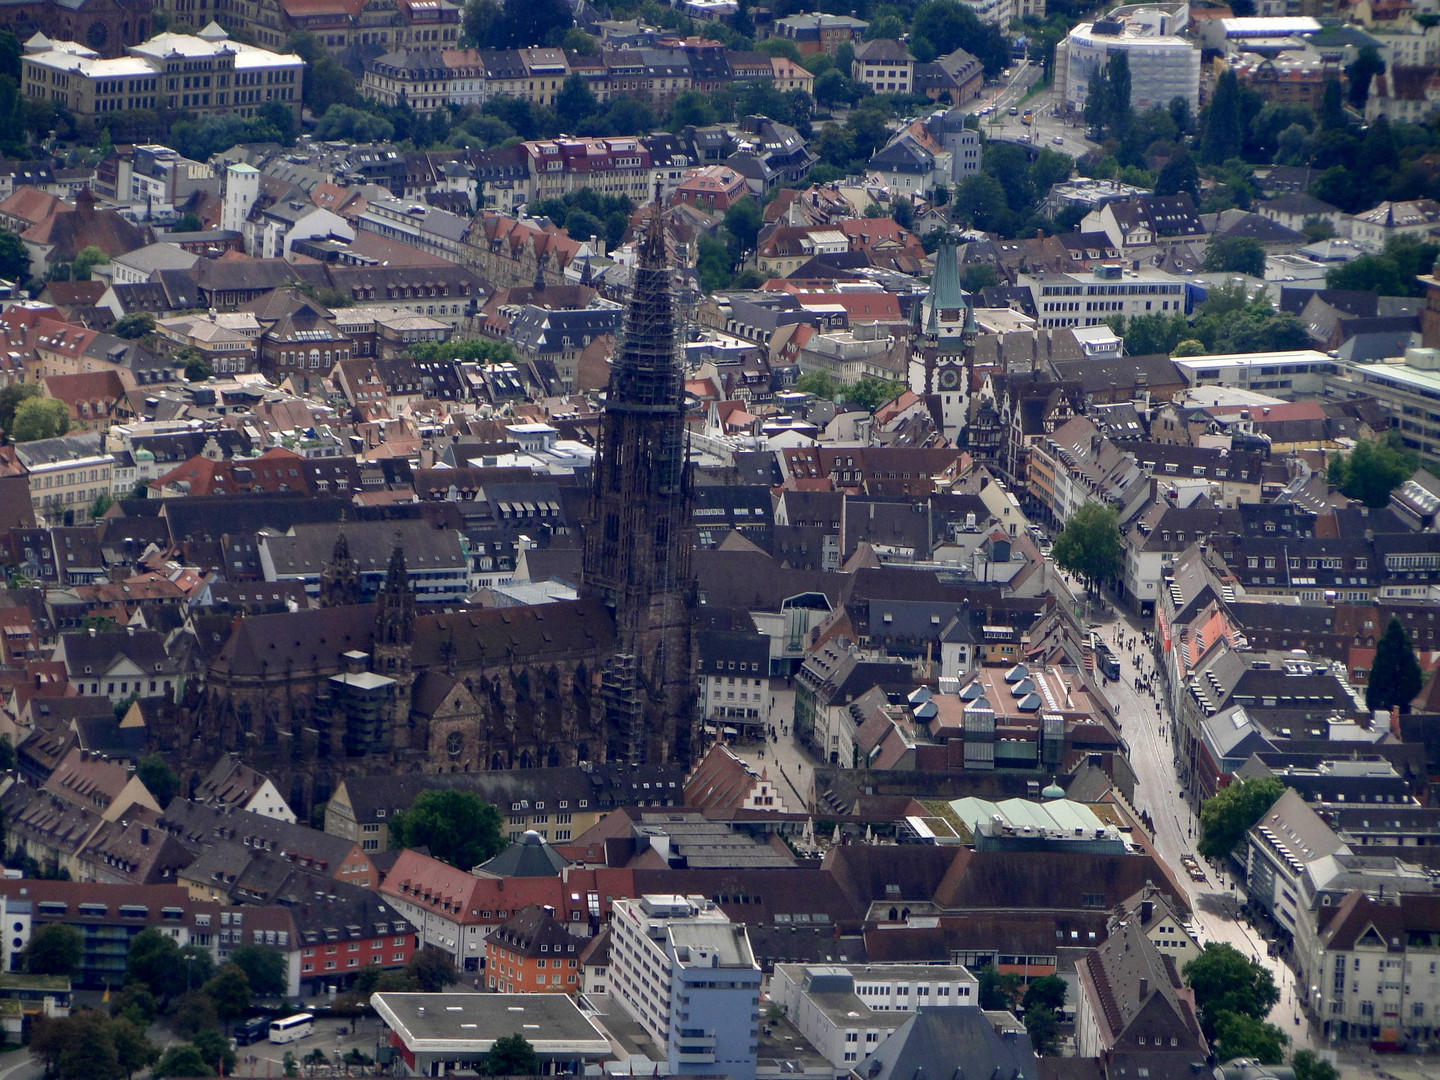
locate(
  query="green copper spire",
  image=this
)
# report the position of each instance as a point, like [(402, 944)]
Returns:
[(945, 291)]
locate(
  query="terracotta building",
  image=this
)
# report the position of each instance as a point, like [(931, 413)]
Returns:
[(533, 953)]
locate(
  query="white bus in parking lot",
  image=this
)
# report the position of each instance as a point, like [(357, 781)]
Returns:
[(291, 1028)]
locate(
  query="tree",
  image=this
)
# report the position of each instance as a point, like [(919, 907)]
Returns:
[(870, 393), (1232, 811), (1226, 981), (818, 383), (1395, 676), (743, 220), (1308, 1065), (1391, 273), (431, 969), (1047, 992), (54, 949), (14, 257), (327, 82), (1223, 135), (137, 1004), (712, 264), (10, 398), (1245, 1036), (1089, 545), (229, 991), (40, 418), (132, 327), (511, 1055), (193, 1013), (977, 276), (998, 991), (1117, 93), (1332, 108), (215, 1048), (576, 100), (181, 1060), (458, 827), (264, 968), (479, 21), (86, 258), (889, 25), (1366, 66), (89, 1051), (579, 42), (154, 960), (526, 23), (159, 779), (348, 124), (582, 226), (1097, 102), (1179, 174), (132, 1049), (1374, 469), (1235, 254), (1043, 1028), (103, 502)]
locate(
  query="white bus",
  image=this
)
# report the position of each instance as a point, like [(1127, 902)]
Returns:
[(291, 1028)]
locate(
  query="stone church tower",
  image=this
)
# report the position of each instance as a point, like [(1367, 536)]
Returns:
[(394, 637), (639, 537), (340, 580)]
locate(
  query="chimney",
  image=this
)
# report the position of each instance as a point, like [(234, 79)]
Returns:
[(144, 835), (1147, 908), (1144, 989)]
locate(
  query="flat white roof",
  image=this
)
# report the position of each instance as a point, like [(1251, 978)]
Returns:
[(1239, 360), (1270, 26)]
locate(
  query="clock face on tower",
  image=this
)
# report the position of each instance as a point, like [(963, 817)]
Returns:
[(948, 378)]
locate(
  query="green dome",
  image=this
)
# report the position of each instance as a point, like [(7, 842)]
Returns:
[(1052, 790)]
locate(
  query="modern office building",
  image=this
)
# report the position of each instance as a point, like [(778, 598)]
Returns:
[(687, 975), (1163, 65)]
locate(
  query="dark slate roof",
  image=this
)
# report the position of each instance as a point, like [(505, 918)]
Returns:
[(957, 1040), (530, 856)]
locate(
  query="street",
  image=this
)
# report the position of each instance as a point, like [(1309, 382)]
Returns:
[(1044, 128), (1215, 902)]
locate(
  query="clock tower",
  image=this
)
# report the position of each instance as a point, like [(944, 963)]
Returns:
[(942, 354)]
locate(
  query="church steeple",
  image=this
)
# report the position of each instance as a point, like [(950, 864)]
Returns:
[(395, 621), (340, 580), (638, 538)]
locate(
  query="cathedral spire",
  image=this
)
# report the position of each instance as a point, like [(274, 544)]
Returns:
[(638, 538), (395, 621), (340, 579)]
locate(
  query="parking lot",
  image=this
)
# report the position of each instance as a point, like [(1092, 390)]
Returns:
[(264, 1058)]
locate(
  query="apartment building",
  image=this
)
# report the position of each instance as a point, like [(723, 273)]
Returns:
[(686, 974), (816, 32), (199, 73), (418, 77), (107, 917), (66, 475), (608, 166), (885, 66), (1376, 969), (847, 1010)]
